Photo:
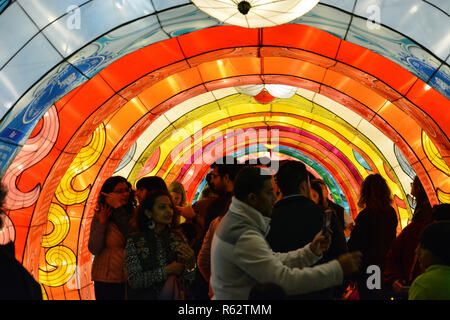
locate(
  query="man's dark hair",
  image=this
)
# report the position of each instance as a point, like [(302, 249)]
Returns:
[(227, 165), (435, 238), (290, 175), (152, 183), (441, 212), (250, 179)]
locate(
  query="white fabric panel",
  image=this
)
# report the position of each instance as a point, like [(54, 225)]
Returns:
[(416, 19), (346, 5), (15, 30), (164, 4), (68, 39), (327, 18), (345, 113), (44, 12), (444, 5), (34, 60)]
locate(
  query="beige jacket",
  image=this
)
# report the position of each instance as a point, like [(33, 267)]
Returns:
[(107, 244)]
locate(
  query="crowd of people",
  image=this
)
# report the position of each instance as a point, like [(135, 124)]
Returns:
[(253, 235)]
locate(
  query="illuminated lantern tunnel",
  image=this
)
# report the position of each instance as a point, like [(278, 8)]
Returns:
[(140, 88)]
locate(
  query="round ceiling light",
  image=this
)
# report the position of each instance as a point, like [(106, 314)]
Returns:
[(255, 13)]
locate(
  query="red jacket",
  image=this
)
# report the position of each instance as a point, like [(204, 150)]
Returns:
[(401, 256)]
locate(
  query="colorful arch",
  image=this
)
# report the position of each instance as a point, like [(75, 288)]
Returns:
[(359, 109)]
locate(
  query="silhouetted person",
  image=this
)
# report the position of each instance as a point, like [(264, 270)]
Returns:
[(241, 256), (441, 212), (223, 173), (374, 231), (16, 283), (159, 262), (149, 184), (401, 261), (296, 219), (110, 227), (345, 220), (434, 257)]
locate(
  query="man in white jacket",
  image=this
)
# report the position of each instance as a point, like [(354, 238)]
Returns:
[(242, 258)]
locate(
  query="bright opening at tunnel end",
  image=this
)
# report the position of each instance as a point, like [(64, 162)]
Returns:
[(216, 141)]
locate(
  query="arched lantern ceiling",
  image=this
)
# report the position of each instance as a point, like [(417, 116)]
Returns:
[(79, 105)]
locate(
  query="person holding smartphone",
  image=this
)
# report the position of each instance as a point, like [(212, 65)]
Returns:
[(109, 229), (296, 219), (241, 257)]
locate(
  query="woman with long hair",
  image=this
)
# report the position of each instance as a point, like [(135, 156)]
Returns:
[(423, 209), (109, 229), (373, 234), (159, 262), (317, 195), (178, 194), (401, 261)]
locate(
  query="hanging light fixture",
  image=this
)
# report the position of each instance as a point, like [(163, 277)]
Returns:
[(264, 97), (266, 93), (255, 13)]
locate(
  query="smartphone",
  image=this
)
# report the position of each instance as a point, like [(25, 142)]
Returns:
[(326, 223)]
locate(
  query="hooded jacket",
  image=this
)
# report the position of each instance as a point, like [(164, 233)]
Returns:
[(242, 258)]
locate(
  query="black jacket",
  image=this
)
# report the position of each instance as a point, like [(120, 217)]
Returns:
[(340, 211), (373, 235), (294, 223), (16, 283)]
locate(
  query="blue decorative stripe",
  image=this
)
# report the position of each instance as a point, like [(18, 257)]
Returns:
[(404, 164), (4, 4), (127, 157), (361, 160)]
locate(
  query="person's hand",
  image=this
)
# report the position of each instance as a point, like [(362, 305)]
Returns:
[(320, 244), (186, 256), (103, 214), (114, 199), (175, 268), (399, 286), (350, 262), (186, 212)]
